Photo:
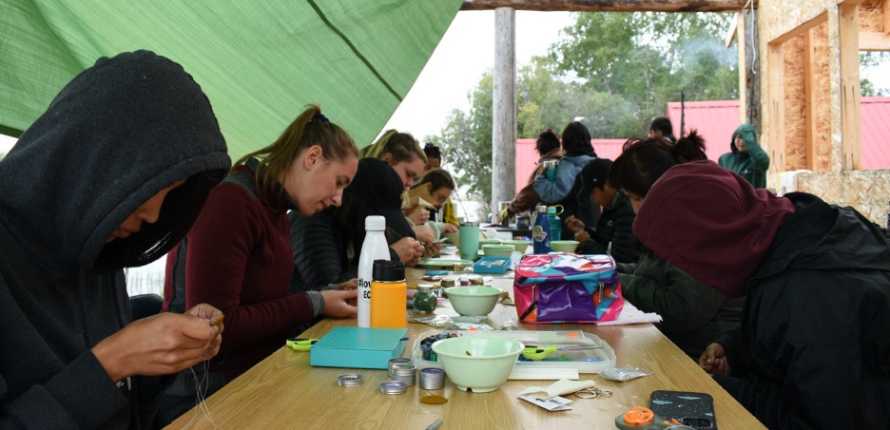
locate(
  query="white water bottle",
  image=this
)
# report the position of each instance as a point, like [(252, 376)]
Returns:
[(373, 248)]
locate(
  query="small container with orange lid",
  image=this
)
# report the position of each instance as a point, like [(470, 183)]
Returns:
[(642, 418), (389, 295)]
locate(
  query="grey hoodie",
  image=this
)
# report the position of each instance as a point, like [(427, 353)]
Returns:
[(117, 134)]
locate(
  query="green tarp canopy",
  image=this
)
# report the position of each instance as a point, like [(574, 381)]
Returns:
[(260, 62)]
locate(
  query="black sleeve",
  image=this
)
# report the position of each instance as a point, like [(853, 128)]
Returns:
[(81, 395), (625, 246), (317, 257)]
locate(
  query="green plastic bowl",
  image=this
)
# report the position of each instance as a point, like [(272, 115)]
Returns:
[(497, 250), (564, 245), (519, 245), (485, 242), (477, 362), (474, 301)]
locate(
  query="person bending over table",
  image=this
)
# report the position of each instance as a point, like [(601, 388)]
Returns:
[(812, 350), (112, 175), (326, 246), (426, 197), (238, 256), (693, 313)]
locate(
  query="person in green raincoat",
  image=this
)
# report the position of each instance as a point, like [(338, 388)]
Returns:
[(747, 158)]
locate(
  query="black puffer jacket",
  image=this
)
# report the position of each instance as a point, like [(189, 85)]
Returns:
[(694, 315), (813, 350), (615, 226)]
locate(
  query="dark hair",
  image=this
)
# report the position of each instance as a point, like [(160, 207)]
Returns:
[(432, 151), (309, 129), (437, 178), (644, 161), (663, 125), (596, 174), (547, 141), (576, 140)]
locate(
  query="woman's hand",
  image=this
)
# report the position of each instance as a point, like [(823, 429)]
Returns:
[(337, 303), (409, 250), (574, 225), (425, 234), (419, 215), (449, 228), (162, 344), (714, 360)]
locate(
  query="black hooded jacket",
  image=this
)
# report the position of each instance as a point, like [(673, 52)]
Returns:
[(813, 350), (117, 134)]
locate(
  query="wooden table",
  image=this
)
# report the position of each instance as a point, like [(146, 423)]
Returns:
[(284, 392)]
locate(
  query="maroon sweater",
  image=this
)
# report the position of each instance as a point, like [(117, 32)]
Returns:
[(239, 260)]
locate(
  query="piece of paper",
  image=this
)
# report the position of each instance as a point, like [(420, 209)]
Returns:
[(630, 314), (559, 388), (556, 404)]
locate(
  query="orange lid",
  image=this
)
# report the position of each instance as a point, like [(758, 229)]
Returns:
[(639, 416)]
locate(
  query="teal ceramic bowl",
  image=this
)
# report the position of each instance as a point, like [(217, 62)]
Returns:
[(564, 245), (485, 242), (497, 250), (475, 301), (478, 363), (519, 245)]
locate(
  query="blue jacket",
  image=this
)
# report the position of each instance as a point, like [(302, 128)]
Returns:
[(555, 191)]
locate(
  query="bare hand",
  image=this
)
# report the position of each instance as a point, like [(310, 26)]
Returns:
[(408, 249), (337, 303), (714, 360), (425, 234), (582, 235), (419, 216), (162, 344), (574, 225), (449, 228)]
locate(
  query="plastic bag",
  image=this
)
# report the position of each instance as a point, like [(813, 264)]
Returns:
[(622, 374)]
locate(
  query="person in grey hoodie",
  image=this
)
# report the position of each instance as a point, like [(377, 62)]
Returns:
[(112, 175), (561, 186)]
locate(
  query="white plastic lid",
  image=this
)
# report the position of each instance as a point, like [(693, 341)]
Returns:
[(375, 223)]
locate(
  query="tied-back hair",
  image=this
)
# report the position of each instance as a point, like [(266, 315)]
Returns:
[(642, 162), (400, 146), (437, 178), (547, 141), (310, 128)]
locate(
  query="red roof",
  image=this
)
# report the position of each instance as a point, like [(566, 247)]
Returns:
[(717, 120)]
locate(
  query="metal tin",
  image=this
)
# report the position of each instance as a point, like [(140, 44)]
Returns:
[(407, 376), (448, 283), (349, 380), (393, 387), (400, 362), (432, 378)]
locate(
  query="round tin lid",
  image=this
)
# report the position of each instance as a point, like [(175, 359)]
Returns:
[(349, 380), (393, 387)]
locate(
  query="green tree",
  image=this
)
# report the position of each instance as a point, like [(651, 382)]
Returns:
[(466, 140), (650, 58)]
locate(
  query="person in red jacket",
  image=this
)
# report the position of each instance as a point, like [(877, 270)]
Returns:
[(237, 256)]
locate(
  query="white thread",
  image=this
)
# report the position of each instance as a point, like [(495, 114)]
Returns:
[(202, 385)]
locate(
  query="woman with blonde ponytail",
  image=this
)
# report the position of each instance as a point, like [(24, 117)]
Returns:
[(238, 256)]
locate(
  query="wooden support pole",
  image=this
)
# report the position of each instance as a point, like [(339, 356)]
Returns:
[(503, 136), (850, 96), (610, 5), (887, 17), (776, 106), (809, 71)]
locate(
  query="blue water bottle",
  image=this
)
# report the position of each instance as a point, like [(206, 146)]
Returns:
[(555, 224), (541, 232)]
